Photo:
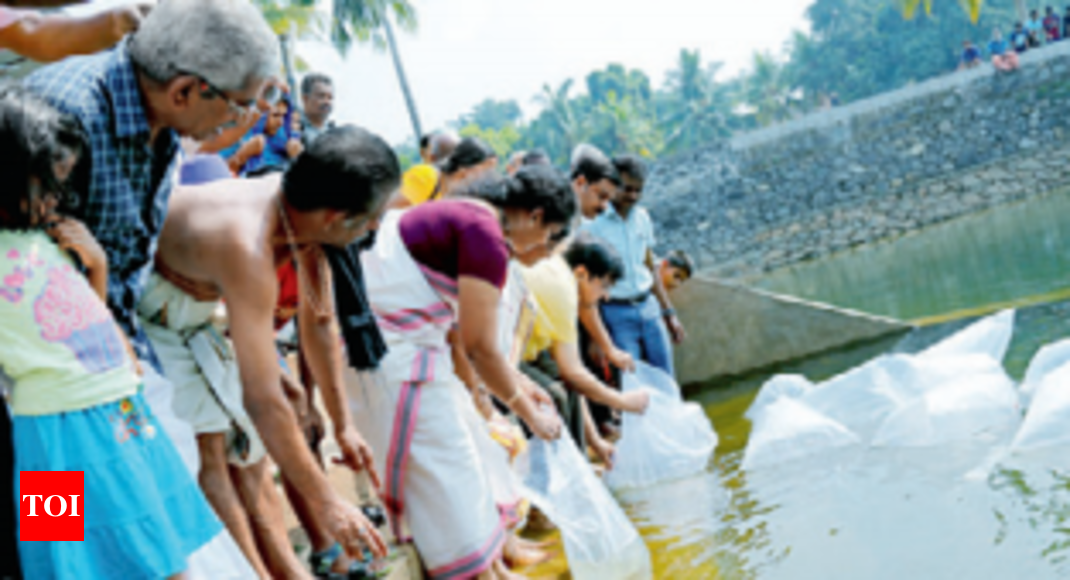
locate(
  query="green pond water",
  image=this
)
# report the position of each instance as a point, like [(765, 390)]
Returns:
[(946, 513)]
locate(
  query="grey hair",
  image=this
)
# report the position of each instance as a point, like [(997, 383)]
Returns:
[(587, 151), (226, 42), (442, 145)]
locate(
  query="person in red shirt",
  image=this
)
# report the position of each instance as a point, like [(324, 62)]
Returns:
[(1052, 25)]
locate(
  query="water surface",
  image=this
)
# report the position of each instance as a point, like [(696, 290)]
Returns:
[(1013, 254)]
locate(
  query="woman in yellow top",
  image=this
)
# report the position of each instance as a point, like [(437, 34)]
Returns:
[(470, 160), (74, 388)]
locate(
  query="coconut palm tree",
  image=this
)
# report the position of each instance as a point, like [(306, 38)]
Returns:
[(696, 104), (350, 22), (972, 7), (370, 21)]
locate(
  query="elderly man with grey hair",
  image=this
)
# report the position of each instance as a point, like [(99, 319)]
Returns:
[(193, 66)]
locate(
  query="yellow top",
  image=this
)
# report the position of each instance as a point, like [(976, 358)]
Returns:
[(62, 350), (419, 183), (553, 286)]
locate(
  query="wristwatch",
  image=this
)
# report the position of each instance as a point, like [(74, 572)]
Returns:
[(667, 312)]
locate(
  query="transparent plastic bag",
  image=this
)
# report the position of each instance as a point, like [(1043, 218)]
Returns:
[(976, 407), (954, 391), (1047, 360), (1047, 424), (790, 386), (600, 541), (788, 429), (672, 440)]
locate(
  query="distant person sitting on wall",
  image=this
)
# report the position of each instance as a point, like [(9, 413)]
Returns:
[(971, 55), (1003, 58), (1019, 39), (834, 99), (675, 269), (1034, 29), (1052, 25)]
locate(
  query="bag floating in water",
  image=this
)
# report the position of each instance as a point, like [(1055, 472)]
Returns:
[(600, 541), (671, 440), (955, 391)]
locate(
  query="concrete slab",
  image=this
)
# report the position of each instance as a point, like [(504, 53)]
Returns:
[(733, 329)]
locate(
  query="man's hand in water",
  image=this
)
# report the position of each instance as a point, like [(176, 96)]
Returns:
[(352, 530), (356, 454)]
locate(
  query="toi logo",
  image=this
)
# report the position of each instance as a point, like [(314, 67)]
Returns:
[(51, 506)]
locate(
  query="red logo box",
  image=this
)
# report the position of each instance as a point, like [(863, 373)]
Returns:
[(51, 506)]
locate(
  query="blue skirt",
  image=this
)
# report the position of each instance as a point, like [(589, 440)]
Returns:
[(144, 513)]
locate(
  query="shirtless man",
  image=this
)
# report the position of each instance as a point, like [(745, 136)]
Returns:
[(224, 241)]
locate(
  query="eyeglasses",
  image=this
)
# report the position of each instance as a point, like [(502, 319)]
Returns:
[(271, 95)]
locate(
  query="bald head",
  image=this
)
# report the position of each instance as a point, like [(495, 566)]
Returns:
[(441, 146)]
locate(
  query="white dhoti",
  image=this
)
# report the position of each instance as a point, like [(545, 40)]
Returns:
[(420, 420), (200, 365)]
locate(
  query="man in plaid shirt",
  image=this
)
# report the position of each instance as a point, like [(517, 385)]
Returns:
[(193, 66)]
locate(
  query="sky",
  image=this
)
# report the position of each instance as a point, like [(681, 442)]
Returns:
[(465, 51)]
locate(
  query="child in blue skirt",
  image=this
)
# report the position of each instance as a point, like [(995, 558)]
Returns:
[(74, 387)]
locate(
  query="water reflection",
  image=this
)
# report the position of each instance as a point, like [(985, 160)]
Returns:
[(1014, 254)]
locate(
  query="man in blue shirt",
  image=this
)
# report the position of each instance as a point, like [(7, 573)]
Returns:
[(638, 314)]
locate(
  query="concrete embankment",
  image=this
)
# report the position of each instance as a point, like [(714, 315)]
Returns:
[(733, 330)]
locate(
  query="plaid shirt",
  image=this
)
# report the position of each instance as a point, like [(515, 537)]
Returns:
[(125, 179)]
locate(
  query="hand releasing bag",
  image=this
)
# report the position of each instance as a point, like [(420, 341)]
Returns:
[(672, 440), (600, 541)]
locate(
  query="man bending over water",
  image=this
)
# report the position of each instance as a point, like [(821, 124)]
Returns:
[(224, 241)]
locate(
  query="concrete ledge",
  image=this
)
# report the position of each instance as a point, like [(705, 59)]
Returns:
[(734, 329)]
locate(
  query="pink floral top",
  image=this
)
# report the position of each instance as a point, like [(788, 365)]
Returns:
[(62, 349)]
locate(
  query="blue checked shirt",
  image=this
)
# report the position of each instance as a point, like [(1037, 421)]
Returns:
[(125, 180)]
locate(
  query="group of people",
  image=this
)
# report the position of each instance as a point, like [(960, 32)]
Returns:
[(1034, 33), (170, 208)]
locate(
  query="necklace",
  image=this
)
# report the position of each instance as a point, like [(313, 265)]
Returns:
[(304, 286)]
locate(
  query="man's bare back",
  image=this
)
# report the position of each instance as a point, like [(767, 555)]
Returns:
[(214, 230)]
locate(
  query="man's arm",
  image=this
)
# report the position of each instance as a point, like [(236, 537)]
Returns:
[(676, 329), (250, 289), (51, 37), (592, 322), (577, 377), (318, 333)]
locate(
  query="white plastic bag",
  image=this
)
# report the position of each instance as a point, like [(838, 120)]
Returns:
[(1047, 424), (788, 429), (989, 336), (672, 440), (1047, 360), (790, 386), (600, 541), (976, 407)]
